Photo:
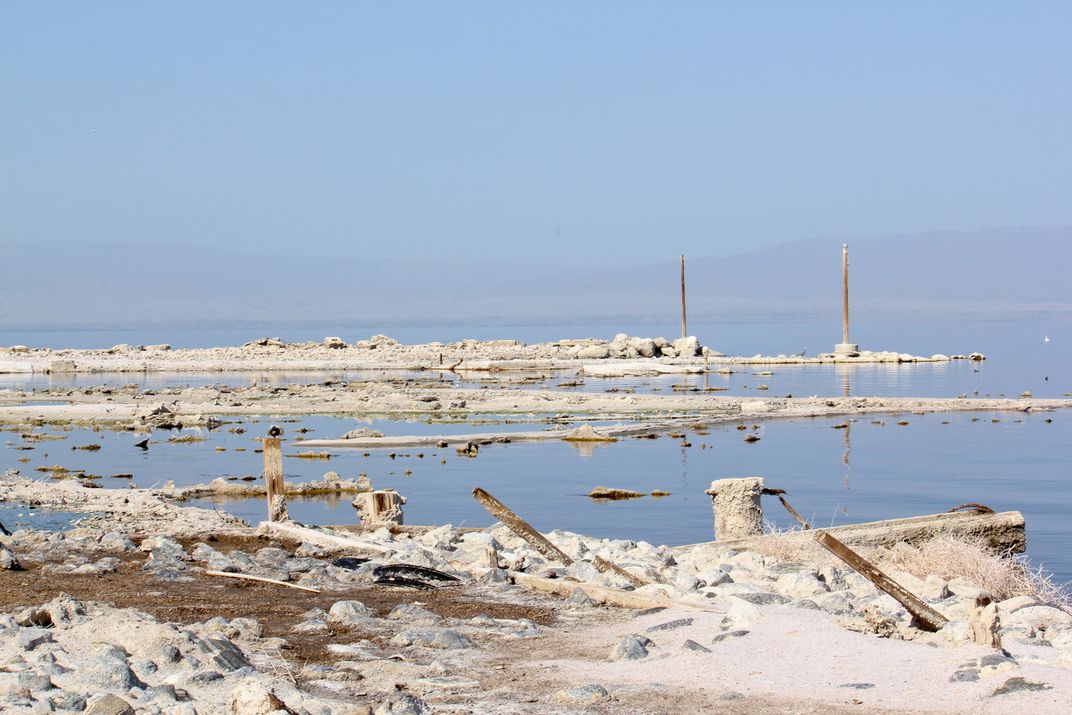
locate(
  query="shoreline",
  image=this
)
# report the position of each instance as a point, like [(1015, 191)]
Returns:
[(585, 355)]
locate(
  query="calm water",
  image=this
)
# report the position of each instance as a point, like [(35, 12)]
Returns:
[(834, 476)]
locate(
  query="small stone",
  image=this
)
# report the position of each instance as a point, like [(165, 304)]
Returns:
[(583, 695), (632, 647), (432, 638), (313, 625), (578, 597), (252, 697), (34, 681), (69, 702), (109, 704), (413, 614), (30, 638), (764, 598), (1020, 685), (349, 613), (857, 686), (965, 675), (402, 704), (740, 633), (693, 645), (670, 625)]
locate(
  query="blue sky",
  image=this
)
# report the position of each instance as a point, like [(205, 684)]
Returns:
[(597, 131)]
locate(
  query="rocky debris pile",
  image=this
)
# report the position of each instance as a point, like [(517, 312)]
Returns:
[(72, 656), (332, 483), (86, 652), (626, 347)]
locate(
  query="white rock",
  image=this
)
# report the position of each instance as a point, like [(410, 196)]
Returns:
[(741, 613)]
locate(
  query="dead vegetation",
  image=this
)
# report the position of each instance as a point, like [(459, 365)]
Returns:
[(1001, 575)]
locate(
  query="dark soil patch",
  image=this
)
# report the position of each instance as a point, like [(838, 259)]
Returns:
[(277, 608)]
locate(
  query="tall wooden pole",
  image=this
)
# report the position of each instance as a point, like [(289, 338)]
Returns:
[(845, 292), (684, 324)]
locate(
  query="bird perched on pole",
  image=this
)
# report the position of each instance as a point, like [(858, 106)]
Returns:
[(274, 431)]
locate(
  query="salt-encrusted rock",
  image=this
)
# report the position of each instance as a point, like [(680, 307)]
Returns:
[(670, 625), (594, 352), (736, 633), (349, 613), (763, 598), (252, 697), (583, 695), (833, 578), (578, 597), (740, 613), (30, 638), (583, 571), (1010, 605), (632, 647), (432, 638), (1020, 685), (108, 704), (717, 576), (687, 347), (312, 625), (109, 667), (334, 343), (645, 347), (8, 560), (800, 585), (402, 704), (35, 682), (414, 615), (1046, 617)]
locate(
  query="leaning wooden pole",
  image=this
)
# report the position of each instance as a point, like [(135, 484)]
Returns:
[(845, 293), (684, 322), (926, 617), (540, 542)]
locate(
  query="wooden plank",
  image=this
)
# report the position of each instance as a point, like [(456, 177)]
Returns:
[(926, 617), (1003, 531), (250, 577), (296, 532)]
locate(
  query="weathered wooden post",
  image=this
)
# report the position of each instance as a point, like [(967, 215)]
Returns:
[(845, 348), (273, 476), (379, 508), (684, 323), (738, 512)]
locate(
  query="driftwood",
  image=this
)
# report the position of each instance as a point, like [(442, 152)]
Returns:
[(299, 533), (1002, 531), (925, 617), (540, 542), (793, 513), (249, 577)]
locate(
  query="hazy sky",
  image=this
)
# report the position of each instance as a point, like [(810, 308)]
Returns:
[(610, 131)]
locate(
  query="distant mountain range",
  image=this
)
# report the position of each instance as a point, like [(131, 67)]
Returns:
[(1001, 270)]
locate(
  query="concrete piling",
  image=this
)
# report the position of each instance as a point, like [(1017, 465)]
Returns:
[(736, 503)]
